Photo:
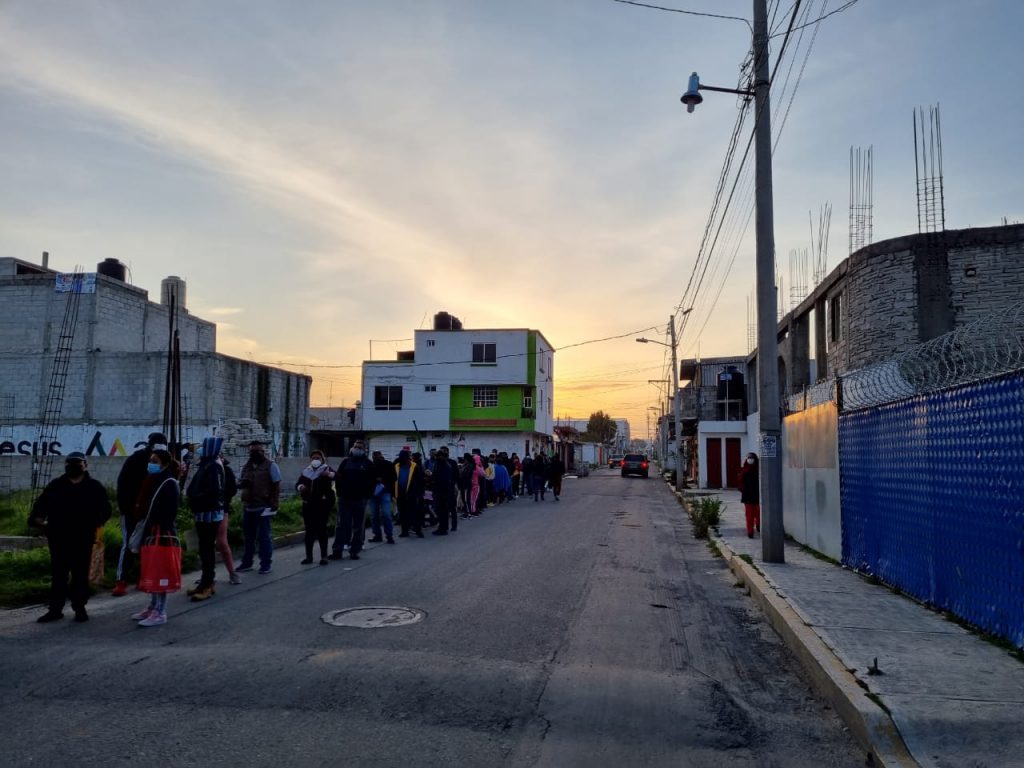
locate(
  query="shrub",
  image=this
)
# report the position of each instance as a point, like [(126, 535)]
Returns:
[(705, 513)]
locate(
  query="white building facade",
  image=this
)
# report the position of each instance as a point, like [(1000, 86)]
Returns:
[(463, 388)]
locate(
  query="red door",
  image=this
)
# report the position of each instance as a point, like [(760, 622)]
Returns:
[(714, 459), (732, 461)]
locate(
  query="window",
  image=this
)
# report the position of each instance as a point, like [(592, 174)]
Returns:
[(527, 397), (387, 398), (835, 324), (485, 397), (541, 361), (430, 387), (430, 342), (485, 353)]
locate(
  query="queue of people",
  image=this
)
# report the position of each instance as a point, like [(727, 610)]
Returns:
[(434, 491)]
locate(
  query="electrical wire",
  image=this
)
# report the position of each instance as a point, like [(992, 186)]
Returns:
[(826, 15), (680, 10)]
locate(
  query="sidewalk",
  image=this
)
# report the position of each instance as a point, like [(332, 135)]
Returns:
[(945, 695)]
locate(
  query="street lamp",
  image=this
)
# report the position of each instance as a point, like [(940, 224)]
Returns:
[(770, 421), (676, 416)]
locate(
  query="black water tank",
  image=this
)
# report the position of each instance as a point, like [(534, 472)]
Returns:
[(442, 321), (112, 268), (730, 384)]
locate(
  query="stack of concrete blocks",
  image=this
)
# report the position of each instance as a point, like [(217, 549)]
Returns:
[(238, 433)]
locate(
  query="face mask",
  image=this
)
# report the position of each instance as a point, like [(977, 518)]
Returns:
[(750, 461), (153, 469), (74, 469), (316, 463), (357, 453)]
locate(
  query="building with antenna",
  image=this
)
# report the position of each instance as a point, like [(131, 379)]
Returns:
[(112, 394), (463, 388)]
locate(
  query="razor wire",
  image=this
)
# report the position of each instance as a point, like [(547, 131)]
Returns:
[(985, 348)]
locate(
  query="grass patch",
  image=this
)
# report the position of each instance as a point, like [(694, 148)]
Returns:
[(705, 513), (747, 559), (713, 549), (25, 576), (816, 554), (875, 698)]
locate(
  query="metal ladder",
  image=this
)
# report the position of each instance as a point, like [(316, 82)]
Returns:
[(42, 461)]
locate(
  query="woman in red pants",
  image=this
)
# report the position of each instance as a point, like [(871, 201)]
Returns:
[(750, 494)]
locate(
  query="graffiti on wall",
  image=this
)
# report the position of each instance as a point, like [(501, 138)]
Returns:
[(90, 439)]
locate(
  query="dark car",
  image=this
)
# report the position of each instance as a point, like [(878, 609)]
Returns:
[(615, 461), (634, 464)]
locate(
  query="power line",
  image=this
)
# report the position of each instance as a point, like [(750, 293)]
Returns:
[(402, 364), (680, 10), (825, 16)]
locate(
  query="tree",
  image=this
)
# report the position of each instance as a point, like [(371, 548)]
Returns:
[(601, 428)]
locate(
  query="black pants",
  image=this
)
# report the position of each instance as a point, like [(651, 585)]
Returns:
[(410, 513), (207, 533), (316, 529), (71, 557)]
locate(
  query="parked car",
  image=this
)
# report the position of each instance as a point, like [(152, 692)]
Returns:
[(615, 461), (635, 464)]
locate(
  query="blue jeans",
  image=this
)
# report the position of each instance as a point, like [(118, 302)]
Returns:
[(256, 527), (351, 522), (380, 507)]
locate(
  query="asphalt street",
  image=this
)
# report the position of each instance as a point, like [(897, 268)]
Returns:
[(593, 631)]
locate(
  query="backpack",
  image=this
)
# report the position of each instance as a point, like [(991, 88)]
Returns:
[(206, 491)]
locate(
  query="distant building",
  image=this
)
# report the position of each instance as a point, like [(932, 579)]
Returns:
[(621, 440), (113, 394), (464, 388), (714, 419)]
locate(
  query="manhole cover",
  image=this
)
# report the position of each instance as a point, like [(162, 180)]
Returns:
[(373, 617)]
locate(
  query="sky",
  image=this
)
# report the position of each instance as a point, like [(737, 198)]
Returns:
[(327, 175)]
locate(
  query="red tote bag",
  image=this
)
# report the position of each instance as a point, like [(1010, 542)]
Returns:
[(161, 564)]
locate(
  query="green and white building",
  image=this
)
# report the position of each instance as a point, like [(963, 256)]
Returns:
[(464, 388)]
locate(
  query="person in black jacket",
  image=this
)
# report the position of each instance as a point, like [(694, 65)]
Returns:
[(354, 482), (71, 508), (160, 497), (409, 487), (443, 485), (129, 485), (316, 487), (750, 494)]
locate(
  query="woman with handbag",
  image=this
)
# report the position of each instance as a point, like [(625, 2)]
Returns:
[(161, 557)]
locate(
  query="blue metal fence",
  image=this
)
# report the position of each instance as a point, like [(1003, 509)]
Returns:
[(933, 499)]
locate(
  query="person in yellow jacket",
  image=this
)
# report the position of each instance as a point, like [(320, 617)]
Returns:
[(409, 486)]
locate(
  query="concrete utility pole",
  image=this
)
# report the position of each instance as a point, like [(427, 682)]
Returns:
[(675, 406), (768, 403)]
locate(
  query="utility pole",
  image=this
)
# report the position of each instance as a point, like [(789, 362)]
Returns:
[(768, 403), (675, 406)]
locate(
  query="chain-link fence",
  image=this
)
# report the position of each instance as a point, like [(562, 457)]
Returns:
[(991, 346)]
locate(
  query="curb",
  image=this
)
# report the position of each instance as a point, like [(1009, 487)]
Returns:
[(873, 728)]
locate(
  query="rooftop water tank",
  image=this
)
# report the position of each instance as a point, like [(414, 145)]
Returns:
[(111, 268), (172, 292)]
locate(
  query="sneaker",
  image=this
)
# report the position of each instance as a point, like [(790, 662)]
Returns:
[(234, 578), (155, 619), (391, 540), (80, 615), (265, 571), (376, 539), (49, 616), (334, 556), (243, 568), (306, 561), (144, 614), (323, 561), (353, 556), (202, 594), (120, 589)]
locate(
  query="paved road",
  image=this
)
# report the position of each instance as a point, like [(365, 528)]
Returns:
[(594, 631)]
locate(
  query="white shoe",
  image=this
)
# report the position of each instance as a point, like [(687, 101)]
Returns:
[(155, 620), (143, 614), (234, 578)]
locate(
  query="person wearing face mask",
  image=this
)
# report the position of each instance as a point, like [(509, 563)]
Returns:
[(70, 509), (315, 486), (159, 500), (260, 484), (355, 481), (129, 487), (750, 494)]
